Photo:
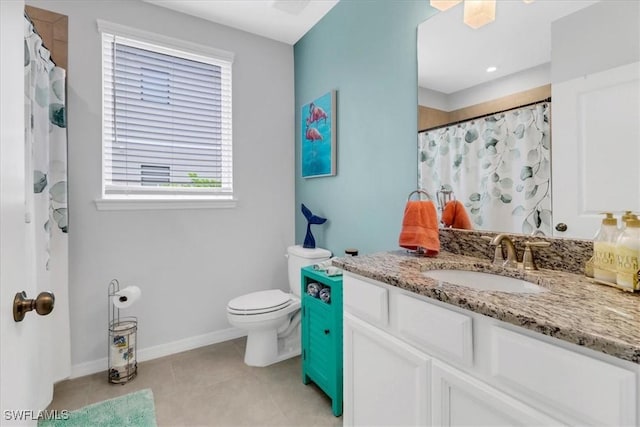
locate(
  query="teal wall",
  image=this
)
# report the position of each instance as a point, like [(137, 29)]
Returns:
[(366, 51)]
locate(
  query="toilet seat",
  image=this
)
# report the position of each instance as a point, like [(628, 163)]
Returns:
[(259, 302)]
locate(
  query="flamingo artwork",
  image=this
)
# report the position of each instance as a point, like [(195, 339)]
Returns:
[(316, 114), (317, 136), (312, 134)]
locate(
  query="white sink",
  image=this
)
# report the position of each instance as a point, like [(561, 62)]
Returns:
[(484, 281)]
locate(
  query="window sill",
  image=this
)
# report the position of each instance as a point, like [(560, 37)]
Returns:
[(137, 204)]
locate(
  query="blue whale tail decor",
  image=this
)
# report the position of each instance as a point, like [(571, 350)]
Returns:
[(309, 241)]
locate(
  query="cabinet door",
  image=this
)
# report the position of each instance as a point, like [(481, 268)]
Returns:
[(460, 400), (318, 346), (385, 380)]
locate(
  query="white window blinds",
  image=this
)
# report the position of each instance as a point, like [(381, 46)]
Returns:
[(166, 121)]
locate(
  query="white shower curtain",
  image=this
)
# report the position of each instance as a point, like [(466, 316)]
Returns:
[(46, 201), (499, 166)]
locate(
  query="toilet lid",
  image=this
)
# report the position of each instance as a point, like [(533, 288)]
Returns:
[(271, 300)]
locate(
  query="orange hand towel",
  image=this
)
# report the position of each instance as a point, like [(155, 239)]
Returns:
[(420, 227), (455, 215)]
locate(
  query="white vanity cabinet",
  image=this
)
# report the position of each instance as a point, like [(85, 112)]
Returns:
[(386, 381), (462, 400), (409, 360)]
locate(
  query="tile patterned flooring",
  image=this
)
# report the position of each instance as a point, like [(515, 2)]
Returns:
[(211, 386)]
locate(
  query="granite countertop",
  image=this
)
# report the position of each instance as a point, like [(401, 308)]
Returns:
[(574, 309)]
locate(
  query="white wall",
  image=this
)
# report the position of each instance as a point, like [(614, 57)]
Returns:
[(600, 37), (433, 98), (507, 85), (189, 263)]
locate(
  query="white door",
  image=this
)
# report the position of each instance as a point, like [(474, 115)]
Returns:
[(596, 153), (460, 400), (385, 380), (21, 387)]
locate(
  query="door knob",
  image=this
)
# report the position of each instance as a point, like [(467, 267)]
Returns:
[(561, 226), (43, 304)]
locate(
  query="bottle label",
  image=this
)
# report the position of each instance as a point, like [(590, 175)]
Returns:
[(604, 256), (627, 266)]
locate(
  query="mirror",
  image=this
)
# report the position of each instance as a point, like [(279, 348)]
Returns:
[(457, 84)]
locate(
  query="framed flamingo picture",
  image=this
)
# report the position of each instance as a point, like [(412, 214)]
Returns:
[(318, 142)]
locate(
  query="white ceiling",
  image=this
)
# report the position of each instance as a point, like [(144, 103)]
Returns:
[(282, 20), (453, 57)]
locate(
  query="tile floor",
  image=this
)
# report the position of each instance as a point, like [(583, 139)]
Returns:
[(211, 386)]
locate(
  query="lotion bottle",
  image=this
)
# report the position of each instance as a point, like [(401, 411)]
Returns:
[(604, 246), (628, 255), (623, 220)]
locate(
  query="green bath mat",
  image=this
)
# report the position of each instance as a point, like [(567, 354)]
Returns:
[(131, 410)]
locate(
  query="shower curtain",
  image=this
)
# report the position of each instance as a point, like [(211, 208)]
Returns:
[(46, 200), (499, 166)]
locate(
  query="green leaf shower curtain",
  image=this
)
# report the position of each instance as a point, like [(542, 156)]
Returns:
[(499, 166), (46, 198)]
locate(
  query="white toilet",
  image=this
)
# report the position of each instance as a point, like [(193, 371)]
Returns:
[(272, 318)]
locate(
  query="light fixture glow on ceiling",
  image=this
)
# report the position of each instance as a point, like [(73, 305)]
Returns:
[(443, 5), (491, 69), (479, 12), (476, 12)]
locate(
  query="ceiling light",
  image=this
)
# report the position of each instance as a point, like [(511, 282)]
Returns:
[(476, 12), (479, 12), (443, 5), (491, 69)]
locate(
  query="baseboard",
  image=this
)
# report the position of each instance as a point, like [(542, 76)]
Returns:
[(150, 353)]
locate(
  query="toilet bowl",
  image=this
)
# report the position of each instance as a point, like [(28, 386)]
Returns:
[(271, 318)]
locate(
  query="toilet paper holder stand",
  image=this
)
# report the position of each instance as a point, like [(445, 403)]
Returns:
[(122, 341)]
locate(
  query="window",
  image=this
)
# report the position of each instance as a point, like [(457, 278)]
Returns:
[(166, 117), (153, 175)]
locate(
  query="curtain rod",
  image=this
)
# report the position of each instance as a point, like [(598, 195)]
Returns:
[(548, 99)]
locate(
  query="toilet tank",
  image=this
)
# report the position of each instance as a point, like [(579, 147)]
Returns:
[(299, 257)]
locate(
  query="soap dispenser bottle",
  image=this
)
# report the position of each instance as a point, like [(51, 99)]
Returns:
[(604, 245), (628, 255), (623, 220)]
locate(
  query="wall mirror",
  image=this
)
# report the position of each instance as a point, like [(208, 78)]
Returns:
[(499, 101)]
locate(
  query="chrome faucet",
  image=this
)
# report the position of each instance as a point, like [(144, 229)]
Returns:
[(512, 258)]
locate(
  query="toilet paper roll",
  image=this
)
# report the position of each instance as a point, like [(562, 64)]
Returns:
[(325, 294), (119, 374), (124, 298), (313, 289), (123, 344), (122, 356), (123, 335)]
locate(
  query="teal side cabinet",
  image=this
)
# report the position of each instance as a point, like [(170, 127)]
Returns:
[(322, 336)]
